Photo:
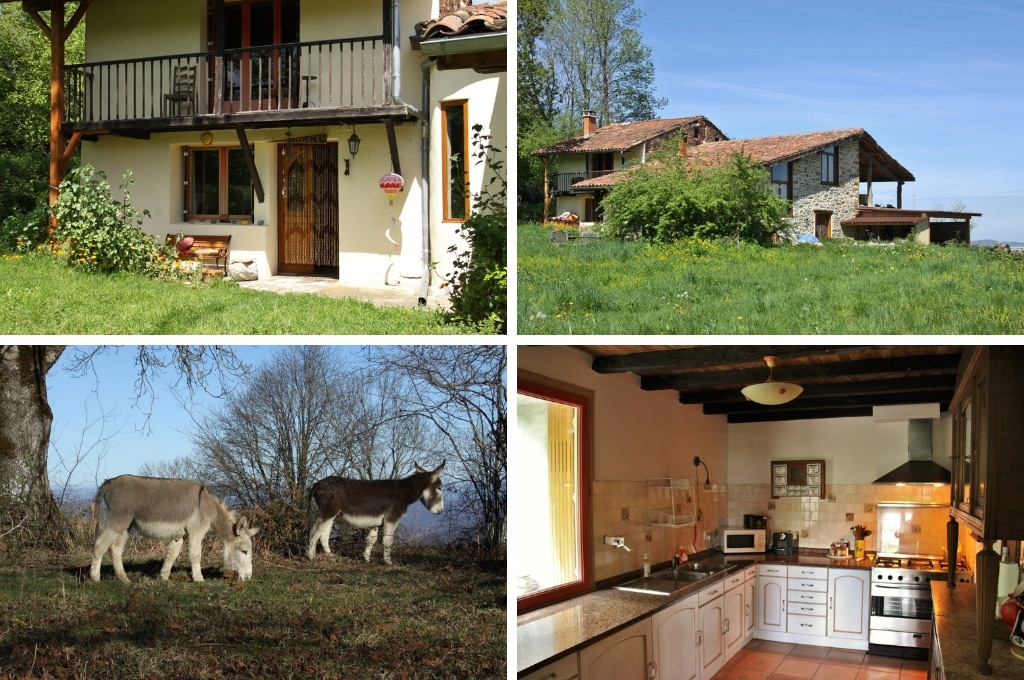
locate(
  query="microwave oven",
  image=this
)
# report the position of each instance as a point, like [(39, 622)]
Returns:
[(736, 540)]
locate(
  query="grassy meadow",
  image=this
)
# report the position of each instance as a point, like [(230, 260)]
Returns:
[(436, 613), (606, 286), (40, 296)]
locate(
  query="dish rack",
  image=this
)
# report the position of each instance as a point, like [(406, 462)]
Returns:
[(670, 502)]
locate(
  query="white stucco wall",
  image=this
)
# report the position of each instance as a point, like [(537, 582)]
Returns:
[(123, 29)]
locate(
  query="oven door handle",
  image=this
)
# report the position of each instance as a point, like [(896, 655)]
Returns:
[(879, 590)]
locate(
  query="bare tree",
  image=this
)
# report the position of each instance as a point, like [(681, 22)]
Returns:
[(462, 391), (26, 418)]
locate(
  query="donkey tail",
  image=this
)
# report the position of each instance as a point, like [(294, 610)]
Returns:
[(96, 507)]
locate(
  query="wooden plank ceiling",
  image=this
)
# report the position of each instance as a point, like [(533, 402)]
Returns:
[(838, 381)]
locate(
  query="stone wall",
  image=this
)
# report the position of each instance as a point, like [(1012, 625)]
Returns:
[(809, 194)]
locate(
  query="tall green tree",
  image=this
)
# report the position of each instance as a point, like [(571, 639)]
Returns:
[(600, 61), (25, 107)]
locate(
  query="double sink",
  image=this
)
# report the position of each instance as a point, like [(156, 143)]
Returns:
[(670, 581)]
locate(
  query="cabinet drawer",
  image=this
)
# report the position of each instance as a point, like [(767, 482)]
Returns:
[(734, 581), (563, 669), (710, 593), (806, 625), (796, 597), (750, 572), (808, 585), (771, 570), (808, 572), (800, 608)]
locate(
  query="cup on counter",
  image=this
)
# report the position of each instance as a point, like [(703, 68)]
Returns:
[(858, 549), (871, 556)]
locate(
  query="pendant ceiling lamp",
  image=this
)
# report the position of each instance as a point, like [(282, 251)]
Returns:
[(769, 392)]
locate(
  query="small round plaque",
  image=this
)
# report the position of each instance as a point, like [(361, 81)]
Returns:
[(207, 138)]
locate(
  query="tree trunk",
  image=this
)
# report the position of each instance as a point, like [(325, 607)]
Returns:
[(25, 419)]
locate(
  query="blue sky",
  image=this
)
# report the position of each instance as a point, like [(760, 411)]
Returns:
[(937, 84), (78, 401)]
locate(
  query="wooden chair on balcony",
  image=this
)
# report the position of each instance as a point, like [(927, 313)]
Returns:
[(182, 98)]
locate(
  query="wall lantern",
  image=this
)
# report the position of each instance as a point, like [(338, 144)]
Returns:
[(353, 147)]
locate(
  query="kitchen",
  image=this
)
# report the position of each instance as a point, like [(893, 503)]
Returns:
[(639, 431)]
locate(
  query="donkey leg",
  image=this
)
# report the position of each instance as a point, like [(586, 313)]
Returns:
[(320, 531), (195, 555), (116, 548), (173, 549), (387, 540), (104, 539), (371, 539)]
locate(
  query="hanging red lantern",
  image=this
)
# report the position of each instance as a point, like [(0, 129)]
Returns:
[(391, 184)]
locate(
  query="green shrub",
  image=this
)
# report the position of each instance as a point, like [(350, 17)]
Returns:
[(676, 198), (96, 232), (25, 232), (479, 283)]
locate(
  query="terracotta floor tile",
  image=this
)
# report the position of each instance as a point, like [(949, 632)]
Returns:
[(809, 653), (913, 675), (914, 665), (828, 671), (882, 663), (737, 673), (870, 674), (780, 648), (760, 661), (843, 657), (797, 668)]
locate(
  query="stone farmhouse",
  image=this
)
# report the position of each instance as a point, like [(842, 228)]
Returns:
[(828, 177)]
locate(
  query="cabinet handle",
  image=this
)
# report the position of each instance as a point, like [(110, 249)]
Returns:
[(806, 625), (700, 636), (652, 670), (830, 603)]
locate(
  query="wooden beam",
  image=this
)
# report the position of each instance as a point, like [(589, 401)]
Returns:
[(57, 38), (257, 185), (40, 22), (77, 17), (396, 162)]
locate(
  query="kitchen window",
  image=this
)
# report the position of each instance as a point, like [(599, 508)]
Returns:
[(552, 539), (217, 185), (456, 168)]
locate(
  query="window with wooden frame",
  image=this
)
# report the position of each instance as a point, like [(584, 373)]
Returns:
[(553, 504), (218, 186), (830, 165), (455, 149), (782, 182)]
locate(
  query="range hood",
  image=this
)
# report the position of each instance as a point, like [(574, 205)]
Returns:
[(920, 468)]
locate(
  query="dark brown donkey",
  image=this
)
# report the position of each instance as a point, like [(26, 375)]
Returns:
[(369, 503)]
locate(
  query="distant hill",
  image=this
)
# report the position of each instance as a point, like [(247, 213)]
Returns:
[(988, 243)]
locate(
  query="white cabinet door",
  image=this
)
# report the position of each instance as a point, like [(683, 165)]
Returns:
[(712, 637), (734, 621), (749, 609), (848, 603), (675, 641), (565, 668), (625, 655), (771, 603)]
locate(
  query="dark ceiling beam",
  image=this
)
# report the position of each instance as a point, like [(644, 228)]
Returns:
[(939, 396), (778, 416), (708, 357), (878, 368), (861, 387)]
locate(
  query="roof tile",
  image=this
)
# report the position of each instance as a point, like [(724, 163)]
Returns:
[(491, 17), (621, 136)]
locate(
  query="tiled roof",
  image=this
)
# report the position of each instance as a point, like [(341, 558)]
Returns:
[(619, 136), (778, 148), (490, 17)]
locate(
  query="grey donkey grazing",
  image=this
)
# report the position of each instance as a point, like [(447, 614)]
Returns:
[(167, 510)]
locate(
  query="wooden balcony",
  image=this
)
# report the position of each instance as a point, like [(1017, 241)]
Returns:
[(565, 182), (290, 84)]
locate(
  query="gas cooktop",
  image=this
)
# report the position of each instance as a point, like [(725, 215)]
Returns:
[(888, 566)]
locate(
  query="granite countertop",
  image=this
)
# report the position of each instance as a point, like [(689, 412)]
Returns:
[(954, 621), (551, 632)]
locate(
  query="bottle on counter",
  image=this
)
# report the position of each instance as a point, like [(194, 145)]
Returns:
[(647, 565)]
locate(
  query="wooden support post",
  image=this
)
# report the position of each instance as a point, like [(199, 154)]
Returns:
[(57, 38), (243, 141), (396, 164), (987, 567), (899, 194), (547, 188)]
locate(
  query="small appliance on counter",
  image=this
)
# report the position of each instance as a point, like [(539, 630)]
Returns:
[(736, 540), (785, 542), (755, 522)]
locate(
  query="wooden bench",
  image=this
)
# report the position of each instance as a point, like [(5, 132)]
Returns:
[(205, 248)]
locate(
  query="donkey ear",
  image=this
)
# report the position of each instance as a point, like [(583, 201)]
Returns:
[(418, 467), (253, 531), (437, 473), (241, 526)]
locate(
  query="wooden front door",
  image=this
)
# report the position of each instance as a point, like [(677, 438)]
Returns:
[(822, 224), (308, 209)]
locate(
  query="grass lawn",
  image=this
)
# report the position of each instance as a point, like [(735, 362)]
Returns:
[(695, 288), (39, 296), (433, 614)]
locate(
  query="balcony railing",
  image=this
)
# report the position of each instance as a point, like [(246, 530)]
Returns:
[(565, 182), (346, 73)]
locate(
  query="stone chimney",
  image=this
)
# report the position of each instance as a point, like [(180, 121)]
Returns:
[(589, 123)]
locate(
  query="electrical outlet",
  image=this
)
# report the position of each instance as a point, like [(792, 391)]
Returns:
[(831, 498), (625, 514), (849, 517), (804, 533), (771, 506)]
